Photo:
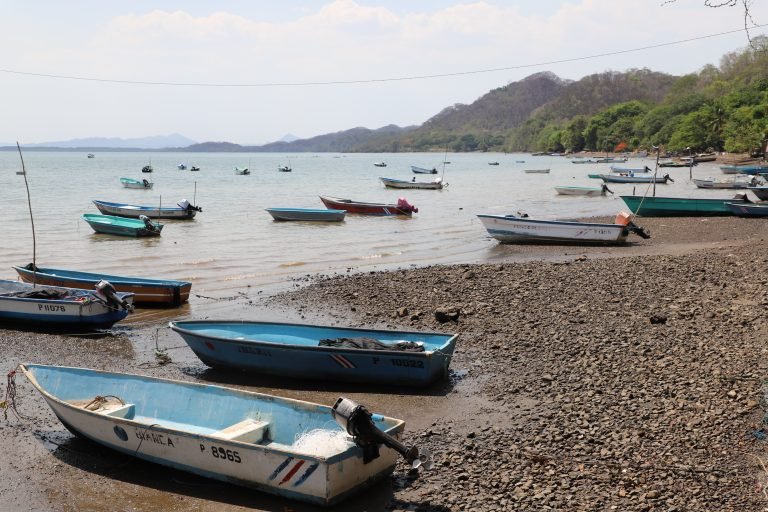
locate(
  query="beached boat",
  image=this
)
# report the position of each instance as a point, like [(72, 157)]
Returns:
[(636, 178), (422, 170), (402, 358), (39, 305), (760, 191), (131, 183), (307, 214), (123, 226), (184, 210), (611, 160), (521, 229), (536, 171), (652, 206), (736, 181), (630, 170), (379, 164), (156, 292), (401, 208), (675, 164), (276, 445), (744, 169), (705, 157), (583, 191), (748, 209), (242, 171), (429, 185), (584, 161)]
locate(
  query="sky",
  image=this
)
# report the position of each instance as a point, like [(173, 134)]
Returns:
[(232, 70)]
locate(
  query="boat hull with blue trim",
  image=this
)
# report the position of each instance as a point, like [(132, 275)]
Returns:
[(654, 206), (153, 212), (294, 350), (307, 214), (422, 170), (748, 209), (41, 306), (511, 229), (122, 226), (428, 185), (259, 441), (646, 178), (751, 170), (156, 292)]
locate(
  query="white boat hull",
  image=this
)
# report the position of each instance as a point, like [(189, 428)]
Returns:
[(508, 229), (580, 191)]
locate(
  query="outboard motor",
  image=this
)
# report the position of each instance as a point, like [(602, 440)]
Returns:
[(148, 223), (403, 204), (107, 293), (358, 422), (146, 183), (186, 205)]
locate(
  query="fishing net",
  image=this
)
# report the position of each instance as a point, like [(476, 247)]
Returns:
[(323, 443)]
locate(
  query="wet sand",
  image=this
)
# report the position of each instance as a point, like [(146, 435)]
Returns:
[(563, 393)]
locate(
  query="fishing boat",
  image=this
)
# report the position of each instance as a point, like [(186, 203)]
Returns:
[(760, 191), (519, 228), (437, 184), (705, 157), (611, 160), (630, 170), (401, 208), (493, 163), (379, 164), (131, 183), (744, 169), (91, 155), (748, 209), (307, 214), (194, 168), (39, 305), (184, 210), (284, 168), (181, 166), (675, 164), (536, 171), (584, 161), (583, 191), (242, 171), (422, 170), (295, 449), (679, 206), (156, 292), (147, 168), (519, 161), (123, 226), (401, 358), (736, 181), (636, 178)]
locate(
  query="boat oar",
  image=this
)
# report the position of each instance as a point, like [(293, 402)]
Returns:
[(358, 422)]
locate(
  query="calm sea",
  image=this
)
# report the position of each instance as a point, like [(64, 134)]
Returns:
[(234, 242)]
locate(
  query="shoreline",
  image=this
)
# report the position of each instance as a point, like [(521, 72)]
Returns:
[(563, 394)]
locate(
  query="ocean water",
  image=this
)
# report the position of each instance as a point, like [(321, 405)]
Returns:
[(234, 242)]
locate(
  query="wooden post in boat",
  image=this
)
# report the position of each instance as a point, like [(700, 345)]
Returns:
[(31, 219), (656, 170)]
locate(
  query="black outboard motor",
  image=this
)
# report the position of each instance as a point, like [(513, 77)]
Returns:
[(106, 292), (358, 422), (186, 205), (148, 223)]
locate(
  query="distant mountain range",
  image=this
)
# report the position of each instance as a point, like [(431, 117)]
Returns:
[(154, 142)]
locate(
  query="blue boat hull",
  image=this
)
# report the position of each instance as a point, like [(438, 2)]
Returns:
[(291, 350)]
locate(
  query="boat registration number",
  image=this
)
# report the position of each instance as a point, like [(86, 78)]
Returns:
[(222, 453), (410, 363), (51, 307)]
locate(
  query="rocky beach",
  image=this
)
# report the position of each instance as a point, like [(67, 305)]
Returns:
[(599, 378)]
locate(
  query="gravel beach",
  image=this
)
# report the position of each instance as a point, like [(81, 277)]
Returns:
[(599, 378)]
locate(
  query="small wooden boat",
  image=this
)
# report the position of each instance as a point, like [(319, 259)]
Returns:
[(131, 183), (744, 169), (653, 206), (284, 168), (630, 170), (735, 182), (401, 208), (40, 305), (147, 168), (675, 164), (184, 210), (157, 292), (422, 170), (748, 209), (402, 358), (536, 171), (181, 166), (429, 185), (194, 168), (123, 226), (307, 214), (583, 191), (242, 171), (379, 164), (636, 178), (705, 157), (294, 449), (521, 229)]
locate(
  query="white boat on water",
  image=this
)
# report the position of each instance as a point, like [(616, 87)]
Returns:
[(437, 184), (733, 181), (584, 191), (536, 171), (521, 229)]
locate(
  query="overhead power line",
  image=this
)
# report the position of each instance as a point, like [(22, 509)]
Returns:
[(373, 80)]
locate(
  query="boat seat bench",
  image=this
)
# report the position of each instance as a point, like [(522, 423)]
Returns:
[(246, 431)]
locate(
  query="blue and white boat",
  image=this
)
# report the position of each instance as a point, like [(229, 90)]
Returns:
[(131, 183), (307, 214), (316, 352), (39, 305), (184, 210), (636, 178), (521, 229), (277, 445), (630, 170)]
